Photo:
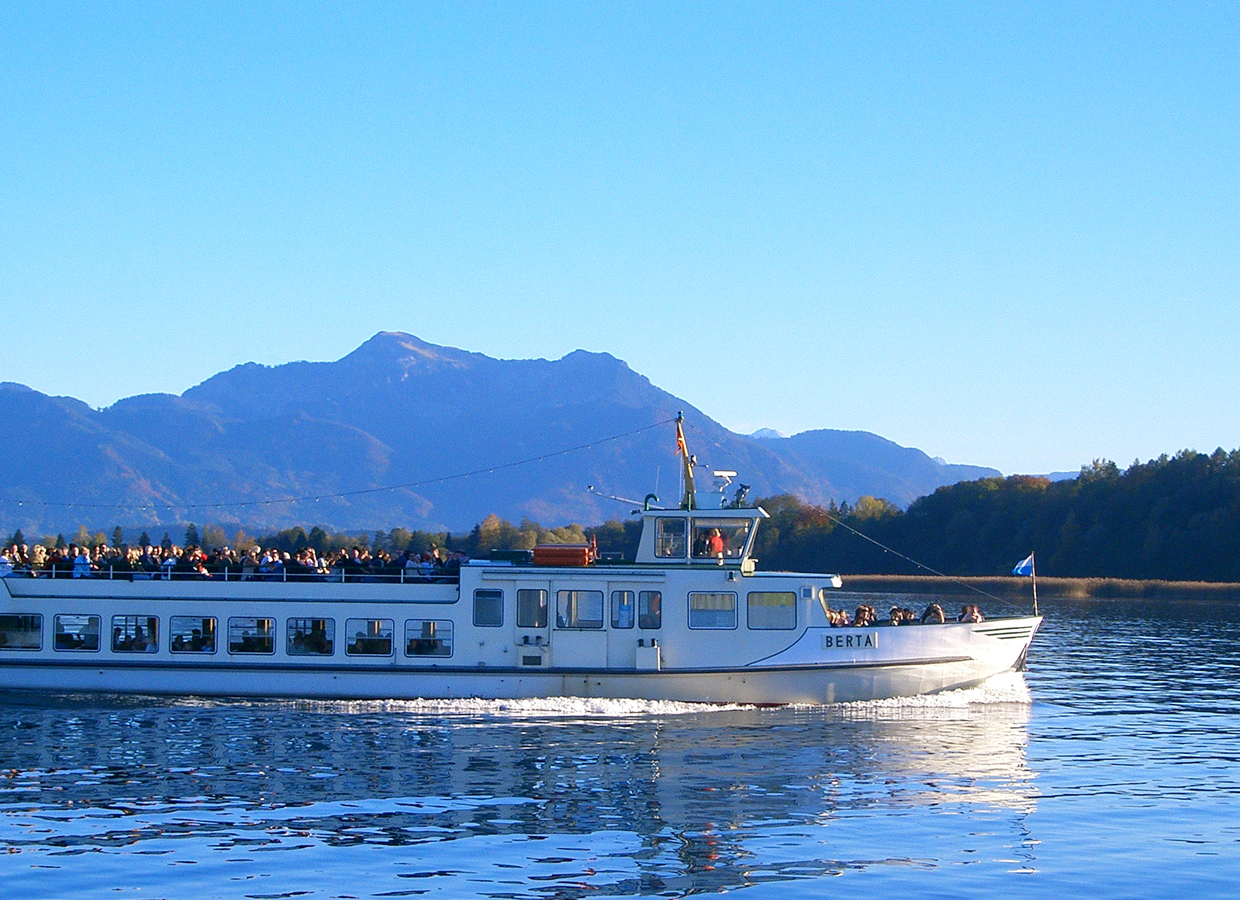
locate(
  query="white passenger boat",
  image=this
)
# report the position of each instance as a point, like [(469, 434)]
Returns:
[(691, 619)]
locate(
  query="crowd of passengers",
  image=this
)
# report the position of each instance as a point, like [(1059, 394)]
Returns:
[(867, 615), (194, 563), (256, 564)]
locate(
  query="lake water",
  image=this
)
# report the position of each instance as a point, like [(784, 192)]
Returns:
[(1110, 769)]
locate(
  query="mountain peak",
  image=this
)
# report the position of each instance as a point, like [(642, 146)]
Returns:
[(591, 359), (409, 352)]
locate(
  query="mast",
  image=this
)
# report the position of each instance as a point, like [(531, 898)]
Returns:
[(1033, 570), (682, 450)]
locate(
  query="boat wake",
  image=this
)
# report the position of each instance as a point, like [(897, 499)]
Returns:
[(1007, 688), (1003, 696), (529, 708)]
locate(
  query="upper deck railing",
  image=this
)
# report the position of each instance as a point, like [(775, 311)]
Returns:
[(234, 574)]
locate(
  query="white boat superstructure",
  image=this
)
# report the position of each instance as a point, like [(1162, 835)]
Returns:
[(689, 619)]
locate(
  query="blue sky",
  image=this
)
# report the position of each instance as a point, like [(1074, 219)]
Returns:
[(1003, 233)]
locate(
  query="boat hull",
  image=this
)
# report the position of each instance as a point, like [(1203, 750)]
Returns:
[(809, 684)]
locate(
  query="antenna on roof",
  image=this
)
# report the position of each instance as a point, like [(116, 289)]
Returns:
[(590, 489)]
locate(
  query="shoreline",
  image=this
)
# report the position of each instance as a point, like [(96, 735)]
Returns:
[(1064, 588)]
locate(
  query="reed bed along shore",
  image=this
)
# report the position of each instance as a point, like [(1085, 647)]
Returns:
[(1069, 588)]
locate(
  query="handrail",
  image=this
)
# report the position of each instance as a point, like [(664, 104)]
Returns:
[(230, 573)]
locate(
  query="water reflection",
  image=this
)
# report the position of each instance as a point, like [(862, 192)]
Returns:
[(1133, 723), (499, 800)]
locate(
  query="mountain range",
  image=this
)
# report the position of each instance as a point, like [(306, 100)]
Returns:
[(400, 411)]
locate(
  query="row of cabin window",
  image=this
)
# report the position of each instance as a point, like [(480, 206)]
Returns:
[(373, 637), (246, 634), (584, 609)]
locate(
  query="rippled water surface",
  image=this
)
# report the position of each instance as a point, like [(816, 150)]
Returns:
[(1110, 769)]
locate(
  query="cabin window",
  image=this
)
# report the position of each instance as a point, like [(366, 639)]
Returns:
[(650, 610), (578, 609), (311, 637), (488, 608), (772, 610), (249, 635), (76, 632), (623, 609), (135, 634), (191, 634), (369, 637), (719, 538), (669, 538), (428, 637), (21, 632), (712, 610), (531, 609)]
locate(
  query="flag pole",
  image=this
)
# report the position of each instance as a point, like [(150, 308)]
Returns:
[(1033, 570)]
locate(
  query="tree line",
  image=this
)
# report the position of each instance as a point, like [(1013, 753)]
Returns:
[(1175, 517)]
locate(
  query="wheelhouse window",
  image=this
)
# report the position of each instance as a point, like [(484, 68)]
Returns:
[(719, 538), (75, 632), (578, 609), (192, 634), (712, 610), (623, 609), (311, 637), (251, 635), (772, 610), (369, 637), (135, 634), (669, 538), (488, 608), (650, 610), (531, 608), (428, 637), (21, 632)]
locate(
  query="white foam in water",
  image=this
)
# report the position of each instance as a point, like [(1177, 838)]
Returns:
[(539, 707), (1006, 688)]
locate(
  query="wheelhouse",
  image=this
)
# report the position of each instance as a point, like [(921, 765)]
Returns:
[(718, 537)]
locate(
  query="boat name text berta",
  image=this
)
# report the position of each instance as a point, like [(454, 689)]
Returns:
[(849, 641)]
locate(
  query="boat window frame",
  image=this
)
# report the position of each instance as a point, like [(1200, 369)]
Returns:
[(660, 537), (5, 631), (618, 603), (749, 607), (304, 626), (351, 639), (271, 634), (88, 616), (645, 618), (498, 599), (701, 627), (152, 636), (568, 618), (439, 624), (173, 634), (540, 620), (701, 523)]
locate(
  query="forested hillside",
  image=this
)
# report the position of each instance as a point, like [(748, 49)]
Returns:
[(1173, 517)]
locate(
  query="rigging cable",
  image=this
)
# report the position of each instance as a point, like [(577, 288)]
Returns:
[(876, 543)]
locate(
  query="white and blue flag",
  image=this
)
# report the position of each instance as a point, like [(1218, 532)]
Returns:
[(1025, 566)]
